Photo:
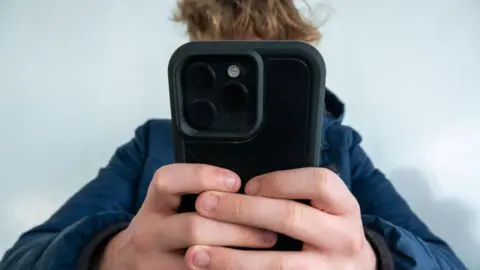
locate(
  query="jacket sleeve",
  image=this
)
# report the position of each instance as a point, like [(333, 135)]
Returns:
[(384, 211), (106, 201)]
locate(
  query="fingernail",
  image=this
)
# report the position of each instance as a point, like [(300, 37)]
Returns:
[(252, 187), (269, 237), (210, 202), (201, 259), (230, 180)]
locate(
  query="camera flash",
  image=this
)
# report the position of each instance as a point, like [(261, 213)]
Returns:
[(233, 71)]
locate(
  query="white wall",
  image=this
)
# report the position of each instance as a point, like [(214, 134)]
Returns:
[(76, 77)]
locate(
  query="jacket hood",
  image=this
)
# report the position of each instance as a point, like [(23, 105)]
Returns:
[(334, 109)]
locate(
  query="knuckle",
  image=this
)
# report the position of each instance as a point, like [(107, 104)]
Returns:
[(355, 207), (319, 178), (273, 177), (238, 209), (140, 240), (357, 243), (159, 179), (352, 244), (351, 206), (321, 174), (139, 233), (285, 264), (193, 229), (293, 216), (204, 175)]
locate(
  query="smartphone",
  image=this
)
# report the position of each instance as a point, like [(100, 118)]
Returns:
[(252, 107)]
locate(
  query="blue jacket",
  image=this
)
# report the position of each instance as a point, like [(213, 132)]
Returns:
[(118, 191)]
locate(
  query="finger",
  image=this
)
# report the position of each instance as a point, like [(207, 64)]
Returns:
[(220, 258), (172, 181), (288, 217), (187, 229), (324, 188)]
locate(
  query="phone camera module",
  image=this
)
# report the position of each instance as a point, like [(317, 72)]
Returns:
[(235, 95), (201, 114), (200, 76)]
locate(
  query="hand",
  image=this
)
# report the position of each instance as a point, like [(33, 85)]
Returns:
[(157, 236), (331, 228)]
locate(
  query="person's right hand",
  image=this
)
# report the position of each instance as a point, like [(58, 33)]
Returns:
[(157, 236)]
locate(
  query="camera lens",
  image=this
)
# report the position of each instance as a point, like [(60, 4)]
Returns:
[(201, 114), (235, 95), (200, 76)]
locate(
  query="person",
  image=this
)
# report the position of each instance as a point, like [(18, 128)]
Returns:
[(126, 217)]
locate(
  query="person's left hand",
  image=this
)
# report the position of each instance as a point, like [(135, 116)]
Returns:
[(331, 228)]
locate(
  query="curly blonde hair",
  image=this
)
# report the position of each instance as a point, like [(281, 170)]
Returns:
[(245, 19)]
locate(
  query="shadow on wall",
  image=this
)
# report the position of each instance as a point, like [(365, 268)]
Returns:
[(451, 219)]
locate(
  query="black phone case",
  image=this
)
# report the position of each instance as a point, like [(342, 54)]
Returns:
[(292, 113)]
